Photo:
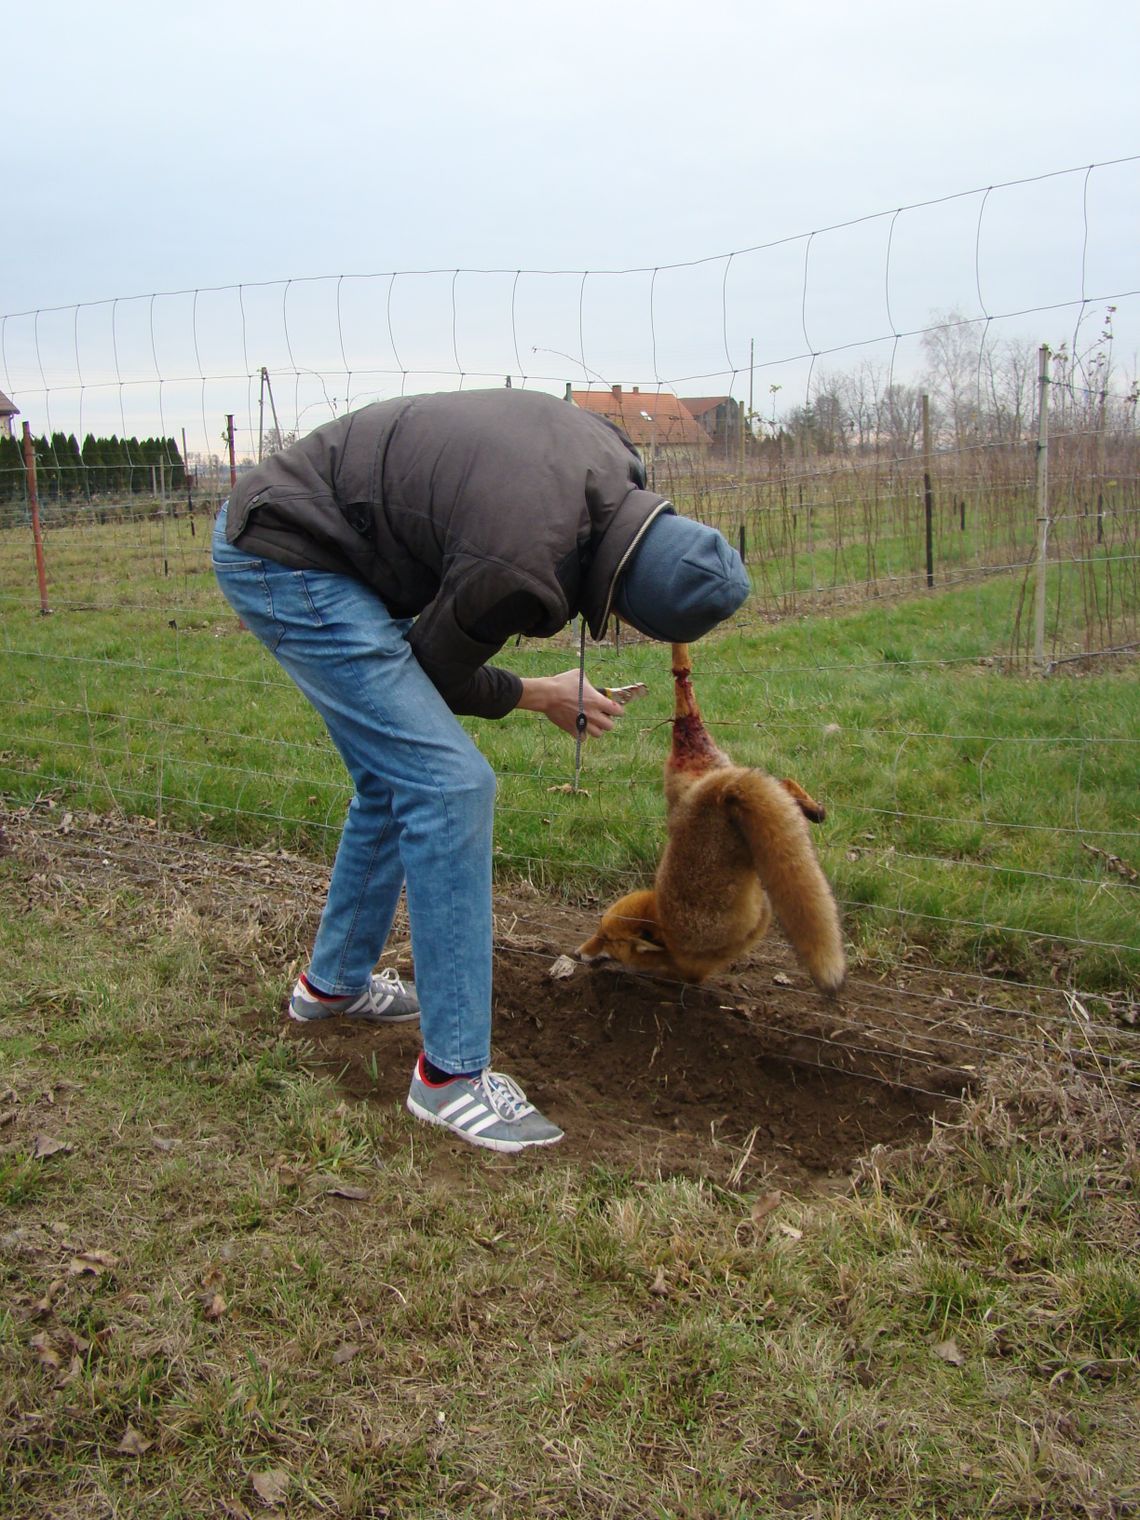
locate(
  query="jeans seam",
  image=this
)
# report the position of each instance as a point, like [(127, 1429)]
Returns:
[(455, 1022), (367, 876)]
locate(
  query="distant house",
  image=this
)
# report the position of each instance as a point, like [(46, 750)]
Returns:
[(8, 410), (656, 422), (720, 416)]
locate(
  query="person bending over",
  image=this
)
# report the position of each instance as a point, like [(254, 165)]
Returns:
[(384, 560)]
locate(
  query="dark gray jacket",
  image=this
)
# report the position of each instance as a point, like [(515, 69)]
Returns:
[(481, 514)]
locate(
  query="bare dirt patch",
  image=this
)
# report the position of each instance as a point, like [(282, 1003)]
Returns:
[(648, 1075), (754, 1078)]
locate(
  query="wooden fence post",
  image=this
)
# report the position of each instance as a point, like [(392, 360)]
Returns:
[(34, 505), (1042, 506), (927, 489)]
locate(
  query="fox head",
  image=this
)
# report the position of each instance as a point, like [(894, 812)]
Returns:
[(630, 934)]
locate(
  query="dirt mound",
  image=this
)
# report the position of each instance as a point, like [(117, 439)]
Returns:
[(755, 1077), (732, 1083)]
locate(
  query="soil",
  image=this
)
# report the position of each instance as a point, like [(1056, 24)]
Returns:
[(752, 1080), (648, 1075)]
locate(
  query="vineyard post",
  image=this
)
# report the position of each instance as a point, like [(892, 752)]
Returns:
[(189, 483), (1042, 506), (927, 489), (34, 505)]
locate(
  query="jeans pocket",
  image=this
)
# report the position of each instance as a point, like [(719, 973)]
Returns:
[(245, 586)]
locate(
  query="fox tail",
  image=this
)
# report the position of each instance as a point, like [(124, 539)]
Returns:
[(774, 825)]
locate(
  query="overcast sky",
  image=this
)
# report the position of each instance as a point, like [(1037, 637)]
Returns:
[(174, 147)]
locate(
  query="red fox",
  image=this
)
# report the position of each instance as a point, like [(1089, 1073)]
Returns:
[(738, 846)]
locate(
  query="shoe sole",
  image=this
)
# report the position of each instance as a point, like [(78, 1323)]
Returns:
[(509, 1147), (356, 1018)]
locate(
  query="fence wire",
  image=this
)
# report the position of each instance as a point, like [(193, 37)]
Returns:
[(139, 698)]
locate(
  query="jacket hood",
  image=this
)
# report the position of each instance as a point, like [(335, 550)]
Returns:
[(612, 553)]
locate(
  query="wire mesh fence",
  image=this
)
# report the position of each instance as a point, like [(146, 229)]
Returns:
[(940, 638)]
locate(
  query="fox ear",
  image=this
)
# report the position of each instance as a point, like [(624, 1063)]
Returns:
[(648, 938), (814, 811)]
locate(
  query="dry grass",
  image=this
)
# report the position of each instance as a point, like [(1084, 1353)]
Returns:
[(228, 1291)]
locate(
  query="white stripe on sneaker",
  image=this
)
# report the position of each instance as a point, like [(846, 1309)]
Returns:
[(464, 1101), (481, 1124), (471, 1117)]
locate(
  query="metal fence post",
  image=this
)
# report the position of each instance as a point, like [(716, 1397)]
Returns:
[(1042, 506)]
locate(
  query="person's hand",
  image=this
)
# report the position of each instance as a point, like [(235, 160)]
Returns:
[(556, 697)]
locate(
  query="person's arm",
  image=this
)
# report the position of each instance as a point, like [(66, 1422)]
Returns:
[(556, 697)]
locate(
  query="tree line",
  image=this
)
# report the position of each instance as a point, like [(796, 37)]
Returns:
[(981, 391), (102, 467)]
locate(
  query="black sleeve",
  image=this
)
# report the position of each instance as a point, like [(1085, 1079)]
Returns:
[(456, 659)]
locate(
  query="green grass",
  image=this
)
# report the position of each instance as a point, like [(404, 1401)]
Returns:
[(981, 814), (956, 1336)]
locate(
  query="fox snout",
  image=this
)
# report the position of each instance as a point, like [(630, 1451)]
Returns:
[(593, 949), (627, 933)]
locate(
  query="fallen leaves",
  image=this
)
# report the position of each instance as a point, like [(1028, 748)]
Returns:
[(211, 1298), (46, 1351), (44, 1305), (62, 1352), (133, 1443), (1114, 863), (949, 1351), (92, 1263), (271, 1486), (659, 1287), (335, 1187), (47, 1145), (761, 1212), (764, 1206)]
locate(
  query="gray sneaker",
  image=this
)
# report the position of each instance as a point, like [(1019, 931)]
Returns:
[(386, 1000), (488, 1110)]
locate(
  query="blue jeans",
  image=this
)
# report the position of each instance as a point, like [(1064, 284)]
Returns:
[(423, 810)]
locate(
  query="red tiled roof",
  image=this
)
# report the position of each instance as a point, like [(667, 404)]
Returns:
[(648, 418), (699, 405)]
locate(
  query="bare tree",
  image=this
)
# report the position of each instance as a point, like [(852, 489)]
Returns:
[(900, 418), (1009, 385), (274, 440), (862, 392), (953, 356)]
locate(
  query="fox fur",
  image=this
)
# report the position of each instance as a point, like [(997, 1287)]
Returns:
[(738, 848)]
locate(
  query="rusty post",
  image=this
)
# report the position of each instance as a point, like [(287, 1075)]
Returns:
[(34, 505)]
